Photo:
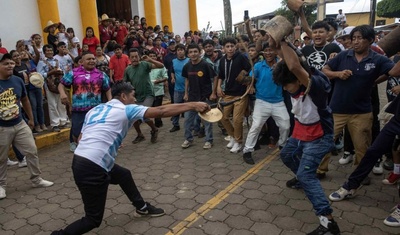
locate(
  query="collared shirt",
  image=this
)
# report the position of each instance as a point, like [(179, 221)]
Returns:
[(43, 66), (266, 88), (87, 87), (353, 95), (118, 65)]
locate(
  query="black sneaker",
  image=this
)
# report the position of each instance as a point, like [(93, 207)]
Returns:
[(175, 128), (138, 139), (150, 210), (154, 135), (333, 229), (388, 164), (248, 159), (321, 176), (294, 184)]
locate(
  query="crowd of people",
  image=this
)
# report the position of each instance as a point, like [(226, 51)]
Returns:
[(308, 109)]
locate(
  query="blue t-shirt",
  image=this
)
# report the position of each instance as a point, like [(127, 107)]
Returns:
[(266, 88), (11, 92), (177, 68), (353, 96)]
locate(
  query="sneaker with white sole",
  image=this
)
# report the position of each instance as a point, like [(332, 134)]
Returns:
[(42, 184), (236, 148), (207, 145), (231, 143), (22, 163), (2, 192), (150, 210), (341, 194), (378, 169), (391, 179), (228, 138), (11, 163), (72, 146), (393, 219), (346, 158), (186, 144)]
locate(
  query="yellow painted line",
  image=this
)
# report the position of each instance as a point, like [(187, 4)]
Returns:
[(213, 202)]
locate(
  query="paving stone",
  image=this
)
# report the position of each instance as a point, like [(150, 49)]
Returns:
[(287, 223), (281, 210), (240, 232), (153, 231), (194, 231), (216, 228), (357, 218), (27, 229), (26, 213), (111, 230), (299, 205), (117, 220), (53, 224), (39, 219), (239, 222), (262, 228), (14, 224), (137, 227), (236, 209), (216, 215)]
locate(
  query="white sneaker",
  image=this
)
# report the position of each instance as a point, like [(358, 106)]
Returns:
[(236, 148), (228, 138), (42, 184), (11, 163), (341, 194), (378, 169), (72, 146), (207, 145), (2, 192), (231, 143), (22, 163), (347, 158), (186, 144)]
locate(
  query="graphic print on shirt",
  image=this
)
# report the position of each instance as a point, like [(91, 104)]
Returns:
[(317, 59), (8, 106)]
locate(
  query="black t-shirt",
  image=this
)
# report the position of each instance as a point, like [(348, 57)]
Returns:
[(317, 57), (51, 39), (200, 80)]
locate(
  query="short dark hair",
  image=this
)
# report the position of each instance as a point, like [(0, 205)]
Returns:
[(121, 87), (262, 32), (193, 46), (151, 52), (265, 46), (180, 46), (117, 46), (47, 46), (208, 42), (86, 53), (331, 22), (244, 38), (251, 45), (229, 40), (133, 50), (367, 32), (282, 75), (61, 44), (77, 59), (320, 24)]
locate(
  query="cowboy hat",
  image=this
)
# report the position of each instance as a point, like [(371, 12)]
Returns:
[(36, 79), (214, 115), (105, 17), (49, 24)]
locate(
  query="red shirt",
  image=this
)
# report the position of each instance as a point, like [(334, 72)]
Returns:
[(121, 34), (118, 65), (160, 51), (92, 42)]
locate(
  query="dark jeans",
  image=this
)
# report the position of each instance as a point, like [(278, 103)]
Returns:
[(92, 181), (158, 102), (36, 99), (303, 159), (77, 119), (380, 146)]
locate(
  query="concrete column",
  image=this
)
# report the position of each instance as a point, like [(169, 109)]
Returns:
[(166, 18), (88, 9), (48, 10), (193, 15), (150, 12)]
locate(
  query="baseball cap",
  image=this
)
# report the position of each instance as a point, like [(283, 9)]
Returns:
[(303, 35), (345, 32), (171, 42), (5, 56)]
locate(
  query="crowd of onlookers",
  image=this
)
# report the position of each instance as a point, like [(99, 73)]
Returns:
[(198, 67)]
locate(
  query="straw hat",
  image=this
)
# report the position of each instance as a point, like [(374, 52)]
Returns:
[(49, 24), (36, 79), (105, 17), (214, 115)]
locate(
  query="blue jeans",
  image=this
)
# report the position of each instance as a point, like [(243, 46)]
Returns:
[(303, 159), (36, 99), (178, 99), (190, 122)]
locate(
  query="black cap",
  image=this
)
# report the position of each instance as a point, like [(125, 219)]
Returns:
[(5, 56)]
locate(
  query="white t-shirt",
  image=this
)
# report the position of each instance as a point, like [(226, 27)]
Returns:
[(104, 128), (62, 37), (74, 51)]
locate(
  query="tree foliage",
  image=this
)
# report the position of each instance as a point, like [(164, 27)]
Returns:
[(309, 11), (388, 8)]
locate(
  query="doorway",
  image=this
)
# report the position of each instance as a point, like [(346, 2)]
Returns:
[(119, 9)]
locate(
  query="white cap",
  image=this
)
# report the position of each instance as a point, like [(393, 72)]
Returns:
[(345, 32), (303, 35)]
